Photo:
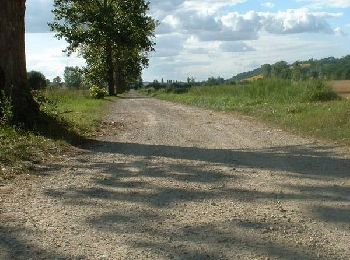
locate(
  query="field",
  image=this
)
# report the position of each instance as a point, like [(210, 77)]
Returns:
[(341, 87), (308, 108)]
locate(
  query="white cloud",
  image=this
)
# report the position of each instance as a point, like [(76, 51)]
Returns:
[(44, 53), (339, 31), (268, 5), (296, 21), (327, 3), (205, 37), (235, 47), (235, 26), (169, 45)]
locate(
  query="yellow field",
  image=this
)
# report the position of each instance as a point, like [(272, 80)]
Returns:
[(342, 87), (258, 77)]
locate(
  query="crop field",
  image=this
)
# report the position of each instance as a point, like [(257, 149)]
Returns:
[(342, 87)]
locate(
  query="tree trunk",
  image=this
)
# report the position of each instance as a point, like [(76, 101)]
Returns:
[(13, 74), (121, 83), (110, 69)]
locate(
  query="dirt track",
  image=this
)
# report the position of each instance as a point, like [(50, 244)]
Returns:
[(174, 182)]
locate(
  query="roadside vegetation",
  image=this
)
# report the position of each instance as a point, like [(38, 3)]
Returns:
[(115, 39), (305, 107), (68, 117)]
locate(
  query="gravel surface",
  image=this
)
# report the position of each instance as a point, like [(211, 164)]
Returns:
[(167, 181)]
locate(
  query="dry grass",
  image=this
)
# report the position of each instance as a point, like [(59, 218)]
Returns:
[(341, 87)]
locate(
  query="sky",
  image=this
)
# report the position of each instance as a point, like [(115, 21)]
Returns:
[(205, 38)]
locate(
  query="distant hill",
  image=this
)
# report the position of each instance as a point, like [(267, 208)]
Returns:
[(246, 75), (328, 68)]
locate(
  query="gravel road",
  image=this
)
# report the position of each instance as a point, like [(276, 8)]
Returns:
[(167, 181)]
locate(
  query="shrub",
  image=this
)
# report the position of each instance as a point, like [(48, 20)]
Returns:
[(319, 91), (6, 112), (36, 80), (97, 92)]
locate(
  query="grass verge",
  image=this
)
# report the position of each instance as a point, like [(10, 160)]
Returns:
[(68, 118), (308, 108)]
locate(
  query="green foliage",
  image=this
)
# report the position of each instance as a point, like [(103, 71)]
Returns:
[(318, 91), (73, 77), (327, 68), (6, 110), (212, 81), (306, 107), (70, 115), (57, 82), (20, 150), (97, 92), (114, 37), (276, 91), (81, 113), (36, 80), (280, 70)]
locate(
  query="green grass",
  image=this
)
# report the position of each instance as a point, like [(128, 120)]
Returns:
[(82, 113), (309, 108), (68, 118)]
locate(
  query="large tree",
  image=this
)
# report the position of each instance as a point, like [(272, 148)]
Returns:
[(73, 77), (13, 74), (128, 64), (104, 25)]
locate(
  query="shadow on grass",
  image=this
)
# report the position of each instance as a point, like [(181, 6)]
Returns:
[(57, 129)]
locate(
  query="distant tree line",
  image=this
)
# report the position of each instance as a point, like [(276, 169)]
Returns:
[(73, 78), (327, 69)]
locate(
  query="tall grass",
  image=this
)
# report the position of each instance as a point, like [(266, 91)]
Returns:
[(277, 91), (68, 117), (307, 107), (81, 112)]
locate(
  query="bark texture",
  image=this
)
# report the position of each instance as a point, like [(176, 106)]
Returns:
[(119, 79), (110, 70), (13, 74)]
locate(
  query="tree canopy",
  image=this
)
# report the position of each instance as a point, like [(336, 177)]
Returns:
[(73, 77), (105, 33)]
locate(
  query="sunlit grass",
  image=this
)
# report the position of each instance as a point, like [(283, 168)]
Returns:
[(308, 108), (70, 116)]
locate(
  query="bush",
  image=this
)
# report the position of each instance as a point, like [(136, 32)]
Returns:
[(6, 113), (319, 91), (36, 80), (97, 92)]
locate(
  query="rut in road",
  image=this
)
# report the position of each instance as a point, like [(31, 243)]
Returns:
[(176, 182)]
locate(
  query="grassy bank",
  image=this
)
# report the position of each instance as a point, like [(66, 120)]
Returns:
[(308, 108), (70, 116)]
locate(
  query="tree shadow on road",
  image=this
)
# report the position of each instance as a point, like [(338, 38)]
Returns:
[(308, 161), (166, 186), (201, 169), (13, 247)]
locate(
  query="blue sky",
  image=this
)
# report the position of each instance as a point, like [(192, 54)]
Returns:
[(203, 38)]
